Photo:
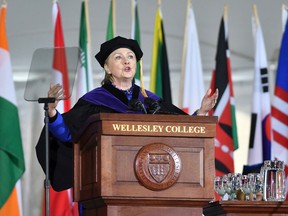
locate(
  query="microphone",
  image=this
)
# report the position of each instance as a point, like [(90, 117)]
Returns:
[(152, 104), (137, 104)]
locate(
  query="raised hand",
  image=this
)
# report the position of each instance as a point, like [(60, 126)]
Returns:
[(208, 102), (56, 91)]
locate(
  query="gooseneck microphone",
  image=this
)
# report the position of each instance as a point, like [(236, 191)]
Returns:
[(152, 105), (137, 105)]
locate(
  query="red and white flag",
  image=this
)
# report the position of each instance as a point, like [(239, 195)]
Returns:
[(61, 203), (60, 71), (279, 110)]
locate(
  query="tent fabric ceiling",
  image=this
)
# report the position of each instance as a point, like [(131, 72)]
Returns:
[(29, 27)]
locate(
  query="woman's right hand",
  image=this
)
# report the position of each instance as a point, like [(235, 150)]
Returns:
[(57, 92)]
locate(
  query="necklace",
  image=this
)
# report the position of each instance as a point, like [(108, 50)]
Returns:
[(127, 92)]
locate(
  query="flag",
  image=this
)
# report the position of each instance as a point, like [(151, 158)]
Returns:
[(279, 110), (193, 89), (61, 203), (260, 134), (135, 34), (60, 71), (84, 78), (160, 78), (12, 165), (111, 21), (226, 140)]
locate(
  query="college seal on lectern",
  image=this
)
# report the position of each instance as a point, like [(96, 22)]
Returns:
[(157, 166)]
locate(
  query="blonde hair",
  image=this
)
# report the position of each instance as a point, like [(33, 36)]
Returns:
[(107, 79)]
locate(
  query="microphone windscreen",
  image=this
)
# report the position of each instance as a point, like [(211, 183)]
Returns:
[(152, 104), (137, 104)]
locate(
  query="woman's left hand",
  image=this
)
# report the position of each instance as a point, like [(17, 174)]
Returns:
[(208, 102)]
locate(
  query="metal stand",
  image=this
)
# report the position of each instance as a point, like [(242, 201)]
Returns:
[(47, 179)]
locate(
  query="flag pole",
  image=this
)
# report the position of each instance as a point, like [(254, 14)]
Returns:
[(141, 80), (183, 57), (225, 18), (113, 14), (132, 15), (87, 22), (225, 12), (88, 38), (284, 16), (255, 15)]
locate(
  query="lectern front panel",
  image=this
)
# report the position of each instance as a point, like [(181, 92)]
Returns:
[(145, 160)]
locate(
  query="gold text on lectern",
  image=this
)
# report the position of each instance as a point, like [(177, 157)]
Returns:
[(158, 128)]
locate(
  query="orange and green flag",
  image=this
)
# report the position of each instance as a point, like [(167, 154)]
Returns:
[(12, 165)]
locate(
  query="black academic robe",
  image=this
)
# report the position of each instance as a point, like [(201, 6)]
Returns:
[(61, 154)]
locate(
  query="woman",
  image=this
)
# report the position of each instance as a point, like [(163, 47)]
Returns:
[(118, 94)]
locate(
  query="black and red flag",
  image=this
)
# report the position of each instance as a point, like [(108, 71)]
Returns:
[(226, 140)]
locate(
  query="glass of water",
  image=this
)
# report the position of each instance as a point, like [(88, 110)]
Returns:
[(219, 186), (246, 186), (235, 183), (255, 182)]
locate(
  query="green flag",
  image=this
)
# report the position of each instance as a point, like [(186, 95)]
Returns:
[(111, 24), (85, 77), (135, 34)]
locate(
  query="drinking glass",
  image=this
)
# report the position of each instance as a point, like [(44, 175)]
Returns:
[(232, 184), (246, 186), (219, 186), (227, 186), (255, 182), (235, 182)]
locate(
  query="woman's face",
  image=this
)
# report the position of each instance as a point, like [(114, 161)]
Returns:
[(121, 63)]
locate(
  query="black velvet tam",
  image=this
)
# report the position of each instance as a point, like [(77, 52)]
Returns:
[(118, 42)]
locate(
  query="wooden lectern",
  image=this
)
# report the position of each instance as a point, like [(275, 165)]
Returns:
[(148, 165)]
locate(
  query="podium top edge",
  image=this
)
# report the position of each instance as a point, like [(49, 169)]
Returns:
[(152, 118)]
